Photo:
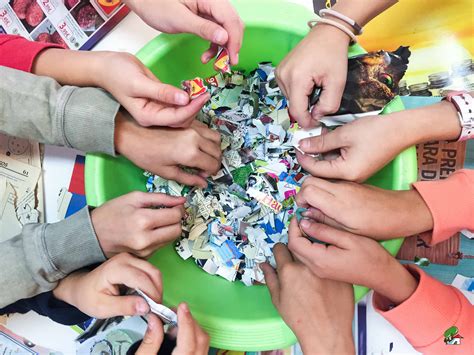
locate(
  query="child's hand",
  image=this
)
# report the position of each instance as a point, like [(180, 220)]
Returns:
[(214, 20), (350, 258), (314, 308), (130, 223), (364, 209), (368, 144), (97, 293), (164, 151), (320, 59), (149, 101), (191, 338)]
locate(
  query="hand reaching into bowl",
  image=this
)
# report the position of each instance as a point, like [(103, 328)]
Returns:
[(365, 210), (313, 307), (138, 223), (213, 20), (164, 151), (350, 258), (137, 89), (366, 145)]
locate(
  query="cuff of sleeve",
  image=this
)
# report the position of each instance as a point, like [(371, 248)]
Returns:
[(434, 305), (88, 120), (21, 53), (72, 243), (450, 203)]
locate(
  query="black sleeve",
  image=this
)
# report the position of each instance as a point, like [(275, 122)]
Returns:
[(47, 305)]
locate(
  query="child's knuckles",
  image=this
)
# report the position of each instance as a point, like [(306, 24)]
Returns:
[(141, 220)]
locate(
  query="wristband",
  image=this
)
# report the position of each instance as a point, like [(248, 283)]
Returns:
[(464, 104), (357, 28), (343, 28)]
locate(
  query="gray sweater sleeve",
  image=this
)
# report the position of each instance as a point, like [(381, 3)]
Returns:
[(83, 118), (35, 260), (39, 108)]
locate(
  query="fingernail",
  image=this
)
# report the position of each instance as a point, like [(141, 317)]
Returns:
[(219, 37), (141, 308), (151, 323), (305, 223), (181, 99), (304, 143), (184, 308), (306, 214)]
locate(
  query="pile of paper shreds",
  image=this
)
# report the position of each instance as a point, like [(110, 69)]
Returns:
[(233, 224)]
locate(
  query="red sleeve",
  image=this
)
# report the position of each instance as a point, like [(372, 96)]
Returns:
[(19, 53), (451, 203), (432, 309)]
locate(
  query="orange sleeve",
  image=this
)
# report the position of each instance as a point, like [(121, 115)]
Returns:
[(451, 202), (428, 313)]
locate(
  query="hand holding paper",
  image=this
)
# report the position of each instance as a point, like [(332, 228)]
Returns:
[(191, 338), (97, 293), (367, 144), (320, 59), (214, 21), (350, 258), (363, 209), (131, 223), (314, 308), (164, 151)]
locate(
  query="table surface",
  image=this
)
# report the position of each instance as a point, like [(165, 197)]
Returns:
[(130, 35)]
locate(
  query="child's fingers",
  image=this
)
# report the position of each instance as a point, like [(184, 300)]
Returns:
[(162, 217), (210, 53), (168, 94), (181, 116), (323, 143), (299, 107), (314, 196), (184, 178), (206, 132), (224, 13), (211, 148), (321, 168), (282, 255), (300, 246), (202, 339), (206, 162), (113, 306), (320, 217), (146, 199), (271, 279), (165, 235), (326, 233), (153, 338), (186, 340), (133, 272)]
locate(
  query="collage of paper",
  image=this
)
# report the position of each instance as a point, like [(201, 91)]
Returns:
[(21, 185)]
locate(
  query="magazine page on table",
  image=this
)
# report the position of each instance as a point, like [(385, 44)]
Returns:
[(74, 24)]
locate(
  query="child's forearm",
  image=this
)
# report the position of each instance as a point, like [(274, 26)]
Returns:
[(363, 11), (67, 67)]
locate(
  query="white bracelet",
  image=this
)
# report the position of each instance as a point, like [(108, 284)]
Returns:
[(342, 17), (343, 28)]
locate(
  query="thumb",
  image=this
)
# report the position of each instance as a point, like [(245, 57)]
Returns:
[(153, 338), (188, 179), (156, 91), (205, 29), (124, 306), (330, 98), (158, 199)]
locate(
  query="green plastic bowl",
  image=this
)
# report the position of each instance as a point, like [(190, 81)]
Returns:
[(235, 316)]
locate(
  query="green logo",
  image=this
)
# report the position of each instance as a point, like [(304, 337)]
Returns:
[(452, 337)]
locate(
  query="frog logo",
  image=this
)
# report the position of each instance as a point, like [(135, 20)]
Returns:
[(452, 336)]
